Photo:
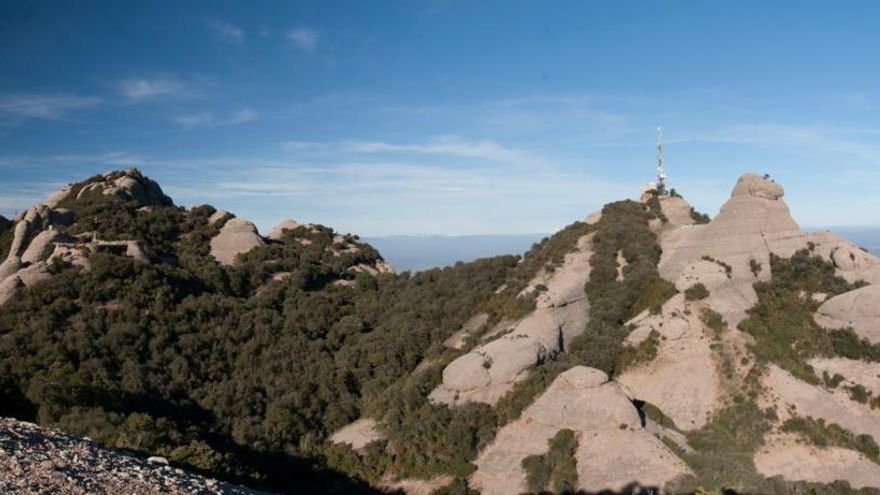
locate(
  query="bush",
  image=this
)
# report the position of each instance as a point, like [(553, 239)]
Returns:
[(699, 218), (556, 468), (782, 321), (645, 352), (723, 451), (696, 292), (823, 434)]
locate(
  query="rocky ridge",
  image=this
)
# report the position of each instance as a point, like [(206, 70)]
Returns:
[(49, 232), (614, 448), (488, 372), (644, 425), (700, 362)]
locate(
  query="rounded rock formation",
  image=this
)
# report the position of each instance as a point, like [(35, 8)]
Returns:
[(236, 237), (278, 232), (859, 309)]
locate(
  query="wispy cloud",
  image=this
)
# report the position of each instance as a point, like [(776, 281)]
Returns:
[(362, 196), (110, 158), (141, 89), (228, 32), (45, 106), (442, 145), (208, 119), (305, 38), (841, 141)]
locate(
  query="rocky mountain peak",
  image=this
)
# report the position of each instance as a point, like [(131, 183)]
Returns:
[(127, 185), (127, 213), (757, 186)]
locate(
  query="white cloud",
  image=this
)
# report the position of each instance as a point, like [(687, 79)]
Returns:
[(398, 197), (208, 119), (112, 158), (305, 38), (228, 32), (139, 89), (833, 140), (442, 145), (44, 106)]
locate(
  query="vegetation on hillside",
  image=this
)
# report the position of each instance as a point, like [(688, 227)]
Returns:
[(218, 367), (782, 321), (557, 469), (244, 371), (822, 434), (623, 229)]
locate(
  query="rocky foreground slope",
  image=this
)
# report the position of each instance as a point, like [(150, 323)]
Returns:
[(42, 460)]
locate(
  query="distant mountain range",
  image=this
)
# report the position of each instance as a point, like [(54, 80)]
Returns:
[(421, 252)]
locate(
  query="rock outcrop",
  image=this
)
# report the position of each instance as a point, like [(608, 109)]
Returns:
[(810, 400), (676, 210), (753, 223), (278, 232), (39, 247), (682, 380), (42, 460), (38, 234), (58, 196), (614, 449), (854, 371), (472, 326), (790, 458), (490, 371), (358, 434), (236, 237), (858, 309), (129, 185)]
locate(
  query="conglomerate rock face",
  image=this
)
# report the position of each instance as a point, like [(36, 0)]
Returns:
[(490, 371), (278, 232), (677, 210), (39, 234), (858, 309), (789, 457), (37, 239), (236, 237), (753, 223), (682, 379), (42, 460), (128, 185), (614, 450)]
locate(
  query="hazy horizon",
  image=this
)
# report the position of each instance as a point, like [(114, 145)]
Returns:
[(425, 251)]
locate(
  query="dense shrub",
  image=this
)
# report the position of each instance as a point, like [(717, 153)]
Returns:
[(723, 451), (645, 352), (699, 218), (696, 292), (823, 434), (557, 468), (782, 321)]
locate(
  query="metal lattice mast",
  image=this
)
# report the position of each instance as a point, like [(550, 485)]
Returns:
[(661, 174)]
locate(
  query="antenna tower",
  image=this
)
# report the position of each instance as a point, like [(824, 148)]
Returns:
[(661, 174)]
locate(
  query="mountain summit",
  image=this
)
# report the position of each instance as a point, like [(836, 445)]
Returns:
[(647, 347)]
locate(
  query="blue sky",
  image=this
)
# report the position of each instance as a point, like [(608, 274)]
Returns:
[(447, 117)]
